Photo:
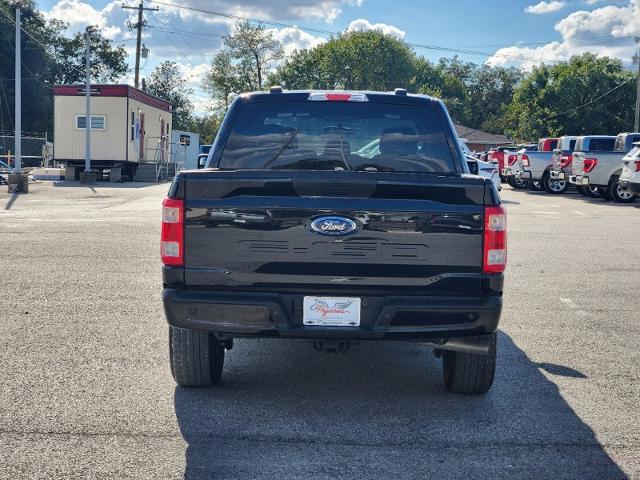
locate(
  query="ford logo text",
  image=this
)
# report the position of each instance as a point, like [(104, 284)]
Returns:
[(333, 225)]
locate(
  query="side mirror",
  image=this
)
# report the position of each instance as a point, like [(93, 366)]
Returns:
[(202, 161)]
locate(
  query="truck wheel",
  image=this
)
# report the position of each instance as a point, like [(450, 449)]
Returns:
[(517, 183), (196, 357), (551, 185), (469, 372), (617, 193), (591, 191), (605, 193), (535, 185)]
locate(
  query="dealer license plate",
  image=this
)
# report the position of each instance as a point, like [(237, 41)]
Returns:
[(331, 311)]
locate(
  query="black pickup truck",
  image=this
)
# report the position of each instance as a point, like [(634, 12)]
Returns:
[(335, 217)]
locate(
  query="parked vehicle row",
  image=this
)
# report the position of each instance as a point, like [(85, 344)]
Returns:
[(594, 164)]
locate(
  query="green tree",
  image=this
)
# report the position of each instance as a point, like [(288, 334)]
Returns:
[(48, 57), (587, 95), (167, 82), (38, 64), (222, 80), (207, 126), (434, 80), (368, 60), (108, 63), (254, 48), (241, 65)]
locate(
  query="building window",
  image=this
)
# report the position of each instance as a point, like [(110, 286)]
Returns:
[(97, 122)]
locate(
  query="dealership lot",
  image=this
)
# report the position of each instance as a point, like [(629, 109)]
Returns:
[(86, 390)]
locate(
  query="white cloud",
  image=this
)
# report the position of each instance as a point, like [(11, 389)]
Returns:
[(294, 39), (545, 7), (362, 25), (78, 15), (193, 38), (605, 31)]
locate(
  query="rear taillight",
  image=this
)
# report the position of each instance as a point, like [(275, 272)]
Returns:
[(589, 164), (565, 160), (512, 159), (172, 236), (525, 160), (637, 162), (495, 240)]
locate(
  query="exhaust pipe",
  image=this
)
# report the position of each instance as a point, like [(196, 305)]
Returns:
[(460, 344)]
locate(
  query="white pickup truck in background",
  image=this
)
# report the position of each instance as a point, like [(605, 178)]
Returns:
[(563, 159), (532, 165), (603, 168)]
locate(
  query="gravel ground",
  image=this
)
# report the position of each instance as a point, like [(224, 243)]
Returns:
[(85, 388)]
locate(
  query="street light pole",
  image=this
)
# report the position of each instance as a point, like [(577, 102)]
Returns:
[(636, 124), (87, 176), (87, 96), (18, 97)]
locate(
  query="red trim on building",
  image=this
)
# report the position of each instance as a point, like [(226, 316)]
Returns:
[(125, 91)]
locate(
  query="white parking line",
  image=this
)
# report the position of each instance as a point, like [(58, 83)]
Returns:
[(580, 213), (568, 302), (572, 305)]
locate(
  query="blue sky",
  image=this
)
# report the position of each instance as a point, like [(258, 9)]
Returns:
[(519, 33)]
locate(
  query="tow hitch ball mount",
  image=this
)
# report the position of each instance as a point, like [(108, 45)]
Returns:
[(331, 346)]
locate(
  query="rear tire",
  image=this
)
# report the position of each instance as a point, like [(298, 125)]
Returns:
[(516, 183), (535, 185), (196, 357), (552, 185), (591, 191), (605, 193), (470, 373), (616, 192)]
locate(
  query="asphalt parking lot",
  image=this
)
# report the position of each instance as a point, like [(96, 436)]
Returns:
[(86, 392)]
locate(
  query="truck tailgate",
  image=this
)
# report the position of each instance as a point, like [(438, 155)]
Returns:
[(414, 233)]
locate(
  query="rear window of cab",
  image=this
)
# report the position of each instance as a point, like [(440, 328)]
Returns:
[(338, 135)]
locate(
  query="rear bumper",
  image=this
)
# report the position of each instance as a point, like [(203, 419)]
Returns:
[(524, 175), (632, 187), (580, 180), (558, 175), (251, 314)]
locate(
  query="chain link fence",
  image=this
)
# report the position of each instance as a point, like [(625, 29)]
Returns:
[(36, 150)]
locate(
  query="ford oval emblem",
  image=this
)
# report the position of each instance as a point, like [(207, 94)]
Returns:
[(333, 225)]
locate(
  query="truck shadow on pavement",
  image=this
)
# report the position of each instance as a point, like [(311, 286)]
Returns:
[(381, 411)]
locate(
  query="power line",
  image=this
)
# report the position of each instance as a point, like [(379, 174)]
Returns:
[(574, 109), (45, 47), (329, 32)]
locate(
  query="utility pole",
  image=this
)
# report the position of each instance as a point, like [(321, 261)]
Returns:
[(139, 26), (87, 176), (636, 124), (17, 181)]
